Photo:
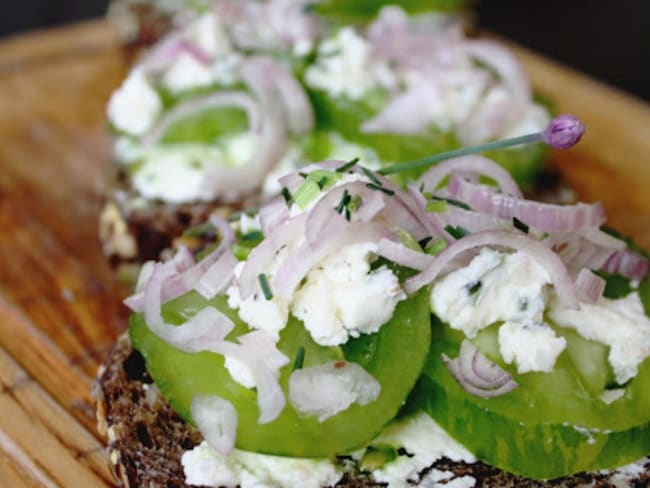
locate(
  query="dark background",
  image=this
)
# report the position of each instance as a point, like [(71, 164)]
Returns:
[(609, 39)]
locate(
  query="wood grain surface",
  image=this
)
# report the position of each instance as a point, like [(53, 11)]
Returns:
[(60, 306)]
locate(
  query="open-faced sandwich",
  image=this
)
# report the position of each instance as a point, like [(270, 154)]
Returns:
[(353, 333), (246, 91)]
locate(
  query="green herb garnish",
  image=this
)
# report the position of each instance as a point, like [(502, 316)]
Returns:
[(457, 232), (520, 225), (347, 166), (264, 284)]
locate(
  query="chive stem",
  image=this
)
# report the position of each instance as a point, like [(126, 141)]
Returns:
[(434, 158), (300, 358), (343, 168), (387, 191), (264, 284)]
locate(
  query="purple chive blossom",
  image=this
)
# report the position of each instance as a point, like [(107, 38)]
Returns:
[(563, 132)]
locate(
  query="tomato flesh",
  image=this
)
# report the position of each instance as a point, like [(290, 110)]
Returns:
[(394, 356)]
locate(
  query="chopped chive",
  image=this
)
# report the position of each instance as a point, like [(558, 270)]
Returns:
[(343, 168), (287, 196), (347, 213), (304, 175), (387, 191), (254, 235), (322, 182), (520, 225), (300, 358), (452, 201), (345, 199), (424, 242), (474, 288), (371, 176), (233, 217), (264, 284), (437, 206), (436, 247), (457, 232)]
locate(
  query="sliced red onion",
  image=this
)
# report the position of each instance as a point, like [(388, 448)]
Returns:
[(603, 239), (302, 259), (262, 255), (177, 284), (216, 419), (629, 264), (267, 25), (276, 85), (475, 164), (218, 276), (330, 388), (273, 214), (543, 216), (473, 221), (183, 259), (402, 255), (493, 118), (206, 326), (324, 214), (536, 250), (405, 113), (578, 252), (432, 222), (226, 98), (589, 286), (477, 375)]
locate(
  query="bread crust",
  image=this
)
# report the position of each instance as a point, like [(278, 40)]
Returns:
[(146, 438)]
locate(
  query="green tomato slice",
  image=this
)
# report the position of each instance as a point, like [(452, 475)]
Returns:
[(207, 126), (394, 356), (551, 425)]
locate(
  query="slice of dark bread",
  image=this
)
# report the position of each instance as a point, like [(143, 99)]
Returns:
[(146, 439)]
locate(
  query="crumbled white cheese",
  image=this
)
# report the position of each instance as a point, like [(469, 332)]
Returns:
[(187, 73), (420, 436), (341, 298), (493, 287), (327, 389), (259, 313), (134, 107), (176, 173), (502, 287), (208, 34), (621, 324), (532, 347), (249, 223), (345, 66), (203, 466)]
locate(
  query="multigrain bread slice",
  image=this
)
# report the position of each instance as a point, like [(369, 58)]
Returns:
[(146, 439)]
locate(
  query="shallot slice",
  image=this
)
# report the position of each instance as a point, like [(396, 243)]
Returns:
[(590, 287), (477, 375), (475, 164), (543, 216)]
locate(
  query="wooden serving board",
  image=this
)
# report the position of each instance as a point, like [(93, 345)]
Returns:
[(60, 306)]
